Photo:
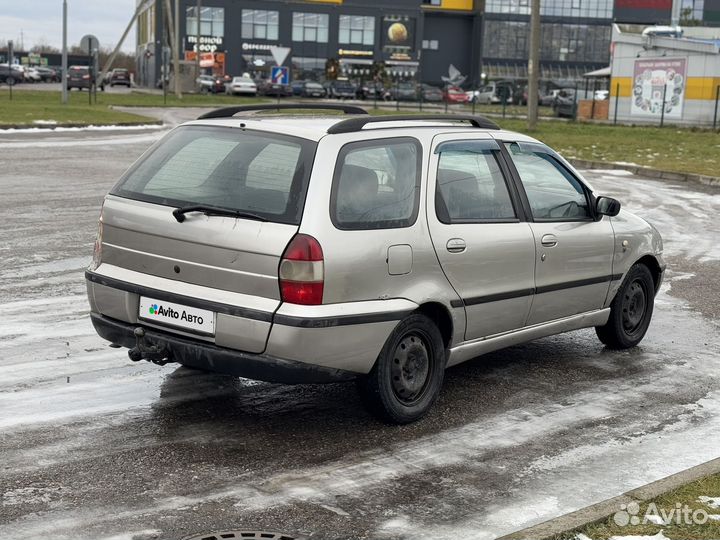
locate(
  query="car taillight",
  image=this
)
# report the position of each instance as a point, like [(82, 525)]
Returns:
[(97, 249), (86, 77), (302, 271)]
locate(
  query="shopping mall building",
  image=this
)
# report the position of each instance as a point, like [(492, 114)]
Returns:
[(410, 39)]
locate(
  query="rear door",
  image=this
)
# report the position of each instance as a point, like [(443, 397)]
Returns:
[(574, 252), (478, 229), (226, 168)]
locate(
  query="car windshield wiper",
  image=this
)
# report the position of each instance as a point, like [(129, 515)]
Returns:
[(179, 213)]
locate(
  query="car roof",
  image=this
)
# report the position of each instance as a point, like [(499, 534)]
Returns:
[(316, 127)]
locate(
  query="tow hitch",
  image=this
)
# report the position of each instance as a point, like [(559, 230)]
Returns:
[(146, 351)]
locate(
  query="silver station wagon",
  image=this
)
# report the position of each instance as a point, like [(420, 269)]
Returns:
[(301, 249)]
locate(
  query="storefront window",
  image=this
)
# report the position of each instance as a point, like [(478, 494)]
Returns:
[(259, 24), (559, 42), (357, 30), (593, 9), (308, 68), (212, 21), (310, 27)]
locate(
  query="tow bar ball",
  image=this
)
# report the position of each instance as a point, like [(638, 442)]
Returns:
[(146, 351)]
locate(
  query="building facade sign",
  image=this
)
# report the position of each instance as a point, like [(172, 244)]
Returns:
[(247, 46), (655, 79), (208, 44)]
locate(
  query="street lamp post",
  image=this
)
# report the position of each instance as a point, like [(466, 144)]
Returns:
[(64, 55), (197, 44)]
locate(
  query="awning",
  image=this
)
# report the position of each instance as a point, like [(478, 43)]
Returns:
[(598, 73)]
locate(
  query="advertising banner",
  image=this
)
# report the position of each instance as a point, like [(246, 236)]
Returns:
[(398, 36), (643, 11), (657, 77)]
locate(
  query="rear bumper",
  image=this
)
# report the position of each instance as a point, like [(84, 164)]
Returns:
[(203, 355), (343, 337)]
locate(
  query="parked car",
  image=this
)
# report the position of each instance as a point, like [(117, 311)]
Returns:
[(32, 75), (241, 86), (118, 76), (11, 74), (312, 89), (601, 95), (340, 89), (404, 91), (48, 74), (547, 100), (370, 90), (269, 88), (493, 92), (297, 87), (414, 250), (454, 94), (210, 84), (565, 103), (431, 93), (78, 77)]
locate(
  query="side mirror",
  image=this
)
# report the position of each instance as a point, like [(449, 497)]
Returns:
[(607, 206)]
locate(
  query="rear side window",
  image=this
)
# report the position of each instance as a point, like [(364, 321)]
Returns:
[(260, 173), (471, 187), (376, 184)]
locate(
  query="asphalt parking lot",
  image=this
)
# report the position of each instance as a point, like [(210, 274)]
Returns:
[(94, 446)]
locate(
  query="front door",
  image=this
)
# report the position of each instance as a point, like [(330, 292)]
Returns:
[(478, 229), (574, 252)]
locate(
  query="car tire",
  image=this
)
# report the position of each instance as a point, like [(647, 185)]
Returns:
[(408, 373), (630, 310)]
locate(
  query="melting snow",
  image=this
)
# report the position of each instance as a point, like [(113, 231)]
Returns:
[(712, 502), (658, 536)]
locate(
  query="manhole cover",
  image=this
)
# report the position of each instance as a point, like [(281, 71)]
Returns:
[(240, 535)]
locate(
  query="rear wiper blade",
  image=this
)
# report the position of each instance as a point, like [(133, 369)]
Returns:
[(179, 213)]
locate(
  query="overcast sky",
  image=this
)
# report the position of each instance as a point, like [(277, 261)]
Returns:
[(41, 21)]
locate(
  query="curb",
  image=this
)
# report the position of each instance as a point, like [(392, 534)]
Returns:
[(551, 529), (648, 172)]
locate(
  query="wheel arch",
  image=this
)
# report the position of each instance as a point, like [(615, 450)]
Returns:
[(652, 264), (440, 315)]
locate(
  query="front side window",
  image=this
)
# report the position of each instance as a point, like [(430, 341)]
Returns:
[(471, 186), (310, 27), (260, 24), (553, 193), (227, 168), (376, 184), (356, 30)]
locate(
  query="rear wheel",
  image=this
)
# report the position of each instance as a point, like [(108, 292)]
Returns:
[(408, 374), (630, 310)]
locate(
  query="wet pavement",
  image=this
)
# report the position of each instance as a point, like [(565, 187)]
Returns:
[(94, 446)]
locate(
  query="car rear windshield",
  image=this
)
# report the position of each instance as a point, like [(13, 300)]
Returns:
[(249, 171)]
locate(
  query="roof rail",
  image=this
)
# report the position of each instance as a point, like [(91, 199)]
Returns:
[(356, 124), (229, 112)]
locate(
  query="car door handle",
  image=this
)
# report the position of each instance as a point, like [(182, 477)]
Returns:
[(549, 240), (456, 245)]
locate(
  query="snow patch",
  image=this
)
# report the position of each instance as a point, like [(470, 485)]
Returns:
[(54, 143), (712, 502), (112, 127), (145, 534), (29, 495), (658, 536)]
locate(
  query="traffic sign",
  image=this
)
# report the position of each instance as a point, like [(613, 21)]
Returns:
[(280, 75), (89, 43), (279, 54)]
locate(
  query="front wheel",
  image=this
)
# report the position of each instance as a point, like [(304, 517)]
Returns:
[(408, 374), (630, 310)]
